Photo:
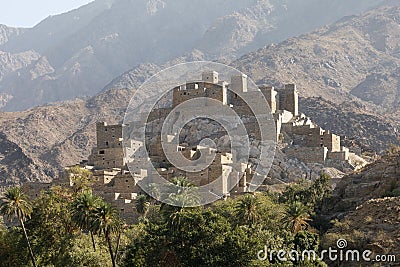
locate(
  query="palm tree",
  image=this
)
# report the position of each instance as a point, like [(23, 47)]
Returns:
[(174, 212), (83, 208), (154, 190), (80, 179), (183, 198), (142, 205), (247, 209), (15, 203), (106, 221), (296, 216), (182, 193)]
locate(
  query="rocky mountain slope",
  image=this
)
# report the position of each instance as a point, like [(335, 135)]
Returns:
[(377, 180), (84, 49), (357, 55), (360, 130), (8, 33), (36, 144), (343, 63), (367, 206), (373, 226), (52, 136)]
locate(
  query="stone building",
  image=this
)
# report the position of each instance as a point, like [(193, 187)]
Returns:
[(289, 99), (271, 96), (209, 90), (108, 152), (116, 184)]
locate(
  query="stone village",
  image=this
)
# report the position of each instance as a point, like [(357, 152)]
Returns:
[(116, 184)]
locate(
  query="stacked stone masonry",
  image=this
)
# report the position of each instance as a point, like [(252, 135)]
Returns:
[(116, 184)]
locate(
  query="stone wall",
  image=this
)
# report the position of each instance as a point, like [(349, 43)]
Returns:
[(331, 141), (315, 137), (157, 114), (271, 96), (193, 90), (33, 189), (289, 99), (238, 83), (308, 154), (342, 155), (301, 129), (108, 136)]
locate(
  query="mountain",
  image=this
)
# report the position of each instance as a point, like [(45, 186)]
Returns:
[(47, 138), (377, 180), (366, 206), (11, 64), (354, 58), (8, 33), (373, 226), (84, 49), (360, 130), (36, 144)]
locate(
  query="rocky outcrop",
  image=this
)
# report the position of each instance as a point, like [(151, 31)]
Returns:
[(377, 180), (374, 226), (15, 166), (13, 63), (8, 33), (365, 207)]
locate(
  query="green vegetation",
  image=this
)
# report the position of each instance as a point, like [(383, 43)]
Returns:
[(16, 204), (72, 227)]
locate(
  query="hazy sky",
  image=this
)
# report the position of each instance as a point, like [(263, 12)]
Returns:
[(27, 13)]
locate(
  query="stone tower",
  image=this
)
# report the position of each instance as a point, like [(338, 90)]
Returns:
[(289, 99), (210, 76), (109, 150), (271, 96), (239, 83)]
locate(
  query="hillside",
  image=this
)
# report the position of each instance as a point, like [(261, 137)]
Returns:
[(45, 139), (373, 226), (366, 209), (61, 134), (377, 180), (84, 49), (360, 130), (347, 60), (8, 33), (343, 63)]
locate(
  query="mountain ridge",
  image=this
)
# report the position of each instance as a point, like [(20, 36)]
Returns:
[(88, 47)]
